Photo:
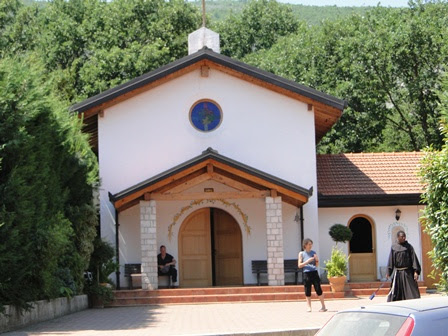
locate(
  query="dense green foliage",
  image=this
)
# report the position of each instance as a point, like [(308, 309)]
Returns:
[(434, 174), (340, 233), (257, 27), (386, 65), (102, 262), (47, 176), (101, 265), (336, 266), (88, 46)]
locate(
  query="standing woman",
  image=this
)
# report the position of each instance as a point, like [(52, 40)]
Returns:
[(309, 261)]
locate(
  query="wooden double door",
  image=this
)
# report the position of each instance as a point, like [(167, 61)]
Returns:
[(210, 250)]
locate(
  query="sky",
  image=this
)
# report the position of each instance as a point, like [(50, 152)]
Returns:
[(349, 3)]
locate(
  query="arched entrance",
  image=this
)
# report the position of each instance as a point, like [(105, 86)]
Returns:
[(210, 250), (362, 259)]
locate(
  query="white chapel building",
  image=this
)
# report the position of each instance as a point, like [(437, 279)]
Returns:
[(216, 160)]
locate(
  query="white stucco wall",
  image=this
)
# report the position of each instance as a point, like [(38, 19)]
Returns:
[(151, 133), (383, 219)]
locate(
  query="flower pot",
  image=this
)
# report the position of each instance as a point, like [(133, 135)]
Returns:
[(99, 295), (337, 283), (96, 301)]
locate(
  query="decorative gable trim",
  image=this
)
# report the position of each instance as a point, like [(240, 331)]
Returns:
[(248, 182)]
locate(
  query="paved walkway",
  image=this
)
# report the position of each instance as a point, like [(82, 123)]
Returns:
[(265, 318)]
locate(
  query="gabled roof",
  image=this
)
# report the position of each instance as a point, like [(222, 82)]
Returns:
[(368, 179), (210, 165), (327, 109)]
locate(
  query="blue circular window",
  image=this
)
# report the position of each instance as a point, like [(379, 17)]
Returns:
[(205, 115)]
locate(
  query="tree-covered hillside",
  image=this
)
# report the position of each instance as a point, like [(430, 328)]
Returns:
[(219, 10)]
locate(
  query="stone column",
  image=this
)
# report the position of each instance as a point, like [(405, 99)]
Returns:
[(148, 235), (274, 241)]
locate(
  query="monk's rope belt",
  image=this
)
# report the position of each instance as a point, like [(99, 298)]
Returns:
[(402, 268)]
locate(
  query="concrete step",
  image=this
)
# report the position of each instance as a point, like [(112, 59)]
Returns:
[(218, 298), (241, 294), (215, 291)]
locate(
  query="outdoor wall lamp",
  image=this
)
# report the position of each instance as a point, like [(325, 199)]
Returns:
[(297, 217), (397, 214)]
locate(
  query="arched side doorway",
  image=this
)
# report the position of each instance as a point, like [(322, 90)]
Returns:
[(210, 250), (362, 261)]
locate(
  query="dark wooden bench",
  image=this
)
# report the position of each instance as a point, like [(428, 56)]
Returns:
[(136, 270), (289, 266)]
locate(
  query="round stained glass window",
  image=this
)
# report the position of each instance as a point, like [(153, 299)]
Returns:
[(205, 115)]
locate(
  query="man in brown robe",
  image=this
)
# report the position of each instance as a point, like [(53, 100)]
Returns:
[(405, 266)]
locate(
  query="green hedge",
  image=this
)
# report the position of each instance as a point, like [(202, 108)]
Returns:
[(47, 178)]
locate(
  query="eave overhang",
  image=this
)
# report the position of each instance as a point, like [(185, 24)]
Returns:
[(346, 201), (327, 109), (247, 182)]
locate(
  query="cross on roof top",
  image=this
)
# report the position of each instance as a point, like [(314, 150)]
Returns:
[(203, 13)]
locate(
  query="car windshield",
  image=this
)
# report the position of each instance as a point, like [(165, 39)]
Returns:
[(366, 324)]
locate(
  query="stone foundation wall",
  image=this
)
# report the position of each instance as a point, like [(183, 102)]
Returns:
[(42, 311)]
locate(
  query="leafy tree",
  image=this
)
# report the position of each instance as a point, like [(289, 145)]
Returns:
[(257, 27), (47, 176), (434, 172), (386, 64), (91, 45), (18, 27), (8, 11), (407, 61)]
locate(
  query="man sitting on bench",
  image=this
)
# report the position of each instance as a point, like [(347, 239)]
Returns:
[(166, 263)]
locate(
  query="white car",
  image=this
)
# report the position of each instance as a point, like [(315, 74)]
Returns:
[(420, 317)]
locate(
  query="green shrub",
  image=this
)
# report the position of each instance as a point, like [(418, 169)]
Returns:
[(47, 177), (101, 291), (102, 262), (337, 265), (340, 233)]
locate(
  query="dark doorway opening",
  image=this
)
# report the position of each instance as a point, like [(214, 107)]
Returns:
[(361, 241)]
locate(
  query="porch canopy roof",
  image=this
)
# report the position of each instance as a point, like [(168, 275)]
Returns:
[(248, 182), (327, 109), (368, 179)]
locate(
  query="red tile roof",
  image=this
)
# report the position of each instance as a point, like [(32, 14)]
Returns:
[(368, 174)]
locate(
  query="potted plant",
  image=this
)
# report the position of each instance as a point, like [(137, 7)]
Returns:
[(99, 294), (336, 266), (98, 287)]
